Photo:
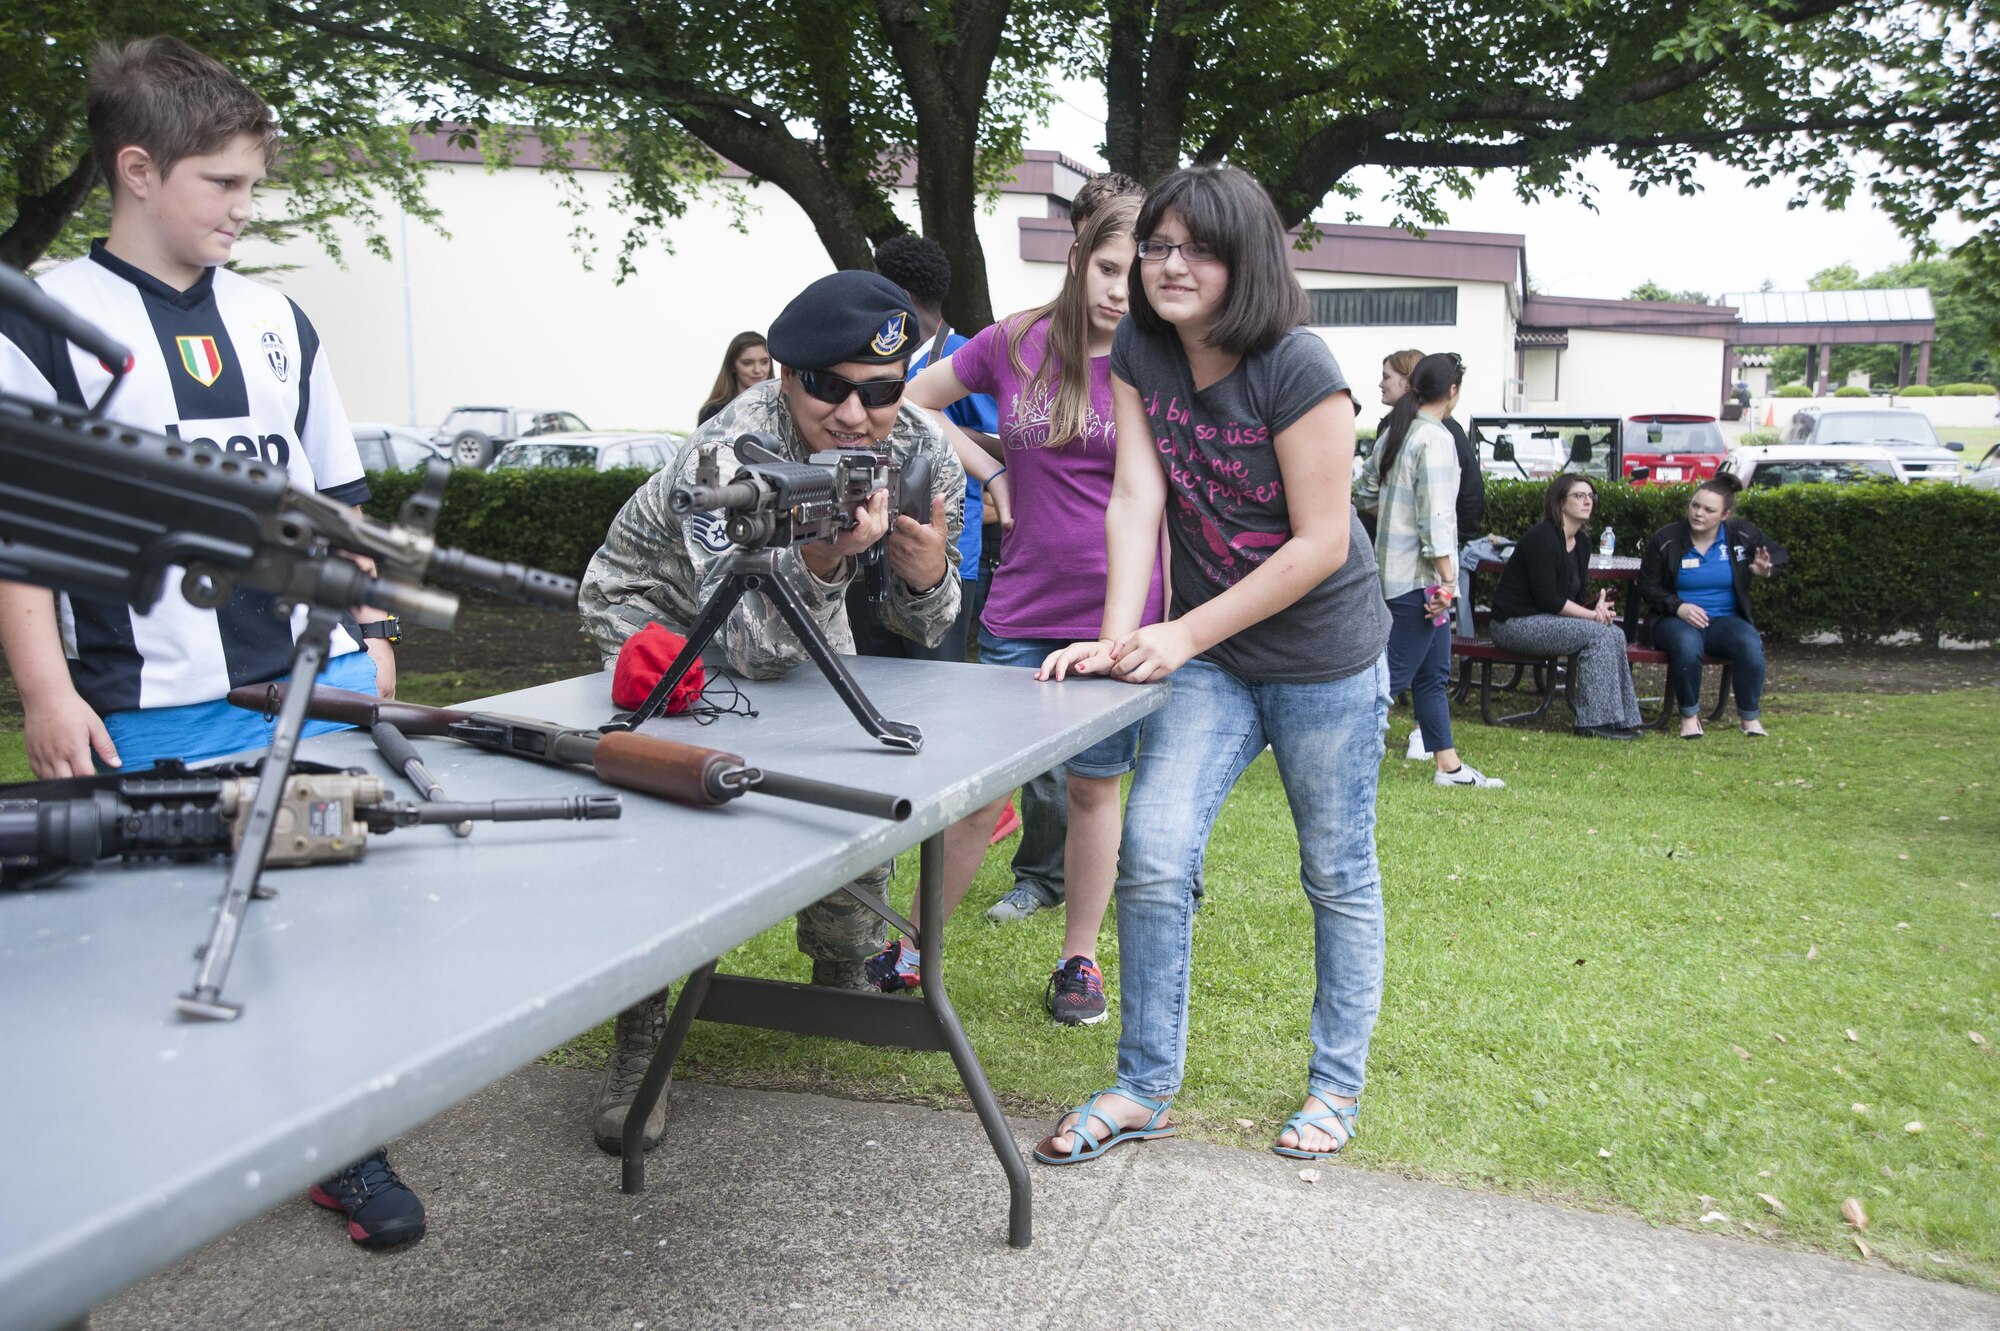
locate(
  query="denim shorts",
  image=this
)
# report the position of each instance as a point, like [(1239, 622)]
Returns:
[(1115, 754)]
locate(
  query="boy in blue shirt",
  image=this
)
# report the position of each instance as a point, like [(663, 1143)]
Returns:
[(222, 363)]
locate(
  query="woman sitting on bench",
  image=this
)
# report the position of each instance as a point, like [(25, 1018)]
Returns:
[(1539, 610), (1695, 575)]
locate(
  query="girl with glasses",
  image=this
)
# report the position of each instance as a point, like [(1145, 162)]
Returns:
[(1539, 610), (1235, 426)]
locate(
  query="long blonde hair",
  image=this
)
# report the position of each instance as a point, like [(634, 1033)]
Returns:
[(1068, 316)]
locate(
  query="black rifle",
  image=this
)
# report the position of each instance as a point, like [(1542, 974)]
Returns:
[(683, 773), (171, 812), (772, 504), (94, 508)]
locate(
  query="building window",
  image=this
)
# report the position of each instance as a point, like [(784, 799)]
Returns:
[(1359, 307)]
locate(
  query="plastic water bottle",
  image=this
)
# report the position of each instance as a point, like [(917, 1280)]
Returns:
[(1607, 544)]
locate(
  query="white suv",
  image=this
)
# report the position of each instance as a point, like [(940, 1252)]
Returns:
[(1907, 434)]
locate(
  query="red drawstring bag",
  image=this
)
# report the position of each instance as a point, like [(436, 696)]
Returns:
[(643, 660)]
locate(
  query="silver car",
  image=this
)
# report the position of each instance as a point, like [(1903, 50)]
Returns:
[(1907, 434), (601, 451)]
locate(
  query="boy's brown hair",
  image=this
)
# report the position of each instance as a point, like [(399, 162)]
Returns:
[(1098, 191), (160, 94)]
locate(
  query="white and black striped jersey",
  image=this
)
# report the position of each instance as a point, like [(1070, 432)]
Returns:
[(227, 364)]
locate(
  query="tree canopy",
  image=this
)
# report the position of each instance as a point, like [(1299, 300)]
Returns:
[(834, 103)]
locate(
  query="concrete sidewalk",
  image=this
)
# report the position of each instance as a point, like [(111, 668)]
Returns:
[(768, 1209)]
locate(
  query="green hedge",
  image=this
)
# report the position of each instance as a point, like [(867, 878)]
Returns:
[(1967, 390), (1852, 390), (553, 519), (1757, 438), (1917, 390), (1867, 560), (1792, 390)]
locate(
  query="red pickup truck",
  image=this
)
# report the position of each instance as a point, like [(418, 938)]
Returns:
[(1672, 447)]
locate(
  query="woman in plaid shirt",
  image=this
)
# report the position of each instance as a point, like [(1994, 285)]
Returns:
[(1411, 482)]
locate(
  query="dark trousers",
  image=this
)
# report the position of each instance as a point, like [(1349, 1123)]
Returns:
[(874, 638), (1733, 638), (1420, 661)]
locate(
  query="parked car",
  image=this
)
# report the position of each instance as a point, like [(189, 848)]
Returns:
[(1672, 447), (1767, 465), (475, 434), (393, 447), (602, 451), (1906, 433), (1523, 444), (1985, 473)]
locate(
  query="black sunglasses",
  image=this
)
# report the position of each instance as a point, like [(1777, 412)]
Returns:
[(834, 390)]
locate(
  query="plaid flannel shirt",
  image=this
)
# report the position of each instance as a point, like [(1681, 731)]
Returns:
[(1415, 507)]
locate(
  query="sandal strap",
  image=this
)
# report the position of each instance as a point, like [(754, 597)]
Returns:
[(1336, 1120)]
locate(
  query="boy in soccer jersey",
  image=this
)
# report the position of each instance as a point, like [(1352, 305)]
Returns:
[(223, 363)]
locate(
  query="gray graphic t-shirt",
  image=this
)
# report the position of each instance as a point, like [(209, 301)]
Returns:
[(1226, 509)]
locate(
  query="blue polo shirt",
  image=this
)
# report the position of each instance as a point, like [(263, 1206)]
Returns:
[(1708, 580), (976, 411)]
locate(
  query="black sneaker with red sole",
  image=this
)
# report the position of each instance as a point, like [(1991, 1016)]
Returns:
[(381, 1210)]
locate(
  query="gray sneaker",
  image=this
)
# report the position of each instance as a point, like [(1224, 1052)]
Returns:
[(639, 1030), (1016, 905)]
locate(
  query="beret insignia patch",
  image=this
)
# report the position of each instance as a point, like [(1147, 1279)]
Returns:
[(709, 532), (889, 339)]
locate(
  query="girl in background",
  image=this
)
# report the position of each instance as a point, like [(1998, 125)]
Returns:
[(1411, 481), (747, 362)]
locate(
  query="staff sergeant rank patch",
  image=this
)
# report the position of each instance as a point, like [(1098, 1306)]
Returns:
[(889, 339), (200, 359), (709, 531)]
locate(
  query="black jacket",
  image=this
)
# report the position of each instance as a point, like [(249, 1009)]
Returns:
[(1471, 504), (1541, 576), (1660, 565)]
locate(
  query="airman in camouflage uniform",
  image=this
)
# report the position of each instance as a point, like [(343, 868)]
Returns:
[(659, 567)]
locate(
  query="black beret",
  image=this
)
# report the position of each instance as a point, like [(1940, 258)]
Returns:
[(845, 316)]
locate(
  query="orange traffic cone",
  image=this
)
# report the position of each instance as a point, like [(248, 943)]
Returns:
[(1770, 415)]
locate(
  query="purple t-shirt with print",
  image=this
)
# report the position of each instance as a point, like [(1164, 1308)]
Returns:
[(1050, 583), (1226, 509)]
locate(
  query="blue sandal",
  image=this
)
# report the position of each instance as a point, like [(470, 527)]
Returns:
[(1337, 1121), (1086, 1145)]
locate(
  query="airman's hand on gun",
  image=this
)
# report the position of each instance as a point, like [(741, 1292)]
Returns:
[(1760, 562), (917, 550), (871, 521), (1693, 614)]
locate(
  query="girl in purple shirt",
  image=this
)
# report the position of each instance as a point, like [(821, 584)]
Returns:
[(1049, 370)]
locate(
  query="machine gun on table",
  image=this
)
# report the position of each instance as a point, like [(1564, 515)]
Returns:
[(94, 508), (683, 773), (771, 504)]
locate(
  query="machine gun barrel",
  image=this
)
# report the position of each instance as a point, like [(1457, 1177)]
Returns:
[(573, 808), (683, 773)]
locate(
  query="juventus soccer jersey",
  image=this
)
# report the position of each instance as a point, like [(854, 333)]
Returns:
[(227, 364)]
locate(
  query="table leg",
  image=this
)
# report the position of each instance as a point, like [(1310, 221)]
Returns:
[(659, 1073), (1020, 1217)]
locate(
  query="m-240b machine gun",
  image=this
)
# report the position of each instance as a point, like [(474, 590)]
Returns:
[(169, 812), (770, 504)]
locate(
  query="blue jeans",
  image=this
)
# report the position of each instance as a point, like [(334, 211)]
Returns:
[(1732, 637), (1327, 739), (1420, 661)]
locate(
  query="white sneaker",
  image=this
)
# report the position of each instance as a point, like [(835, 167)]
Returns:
[(1468, 775), (1417, 749)]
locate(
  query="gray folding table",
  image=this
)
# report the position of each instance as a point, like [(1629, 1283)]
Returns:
[(376, 995)]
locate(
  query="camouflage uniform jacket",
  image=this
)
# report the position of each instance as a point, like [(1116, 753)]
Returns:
[(655, 566)]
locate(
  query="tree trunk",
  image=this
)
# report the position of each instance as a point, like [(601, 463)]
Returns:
[(40, 218), (1147, 75)]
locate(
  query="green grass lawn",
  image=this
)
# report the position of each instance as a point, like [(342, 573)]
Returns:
[(1625, 981), (1661, 978)]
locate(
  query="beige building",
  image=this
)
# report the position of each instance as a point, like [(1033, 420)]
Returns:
[(504, 310)]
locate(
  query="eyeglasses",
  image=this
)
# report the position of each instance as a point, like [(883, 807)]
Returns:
[(833, 390), (1192, 251)]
